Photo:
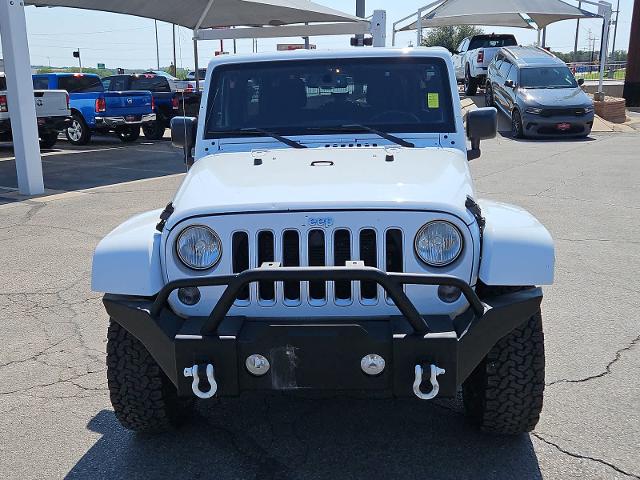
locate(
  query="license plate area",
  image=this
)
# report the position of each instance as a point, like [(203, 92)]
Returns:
[(563, 127), (131, 118), (315, 357)]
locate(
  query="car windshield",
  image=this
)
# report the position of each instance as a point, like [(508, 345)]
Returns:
[(314, 97), (492, 41), (79, 83), (153, 83), (547, 77)]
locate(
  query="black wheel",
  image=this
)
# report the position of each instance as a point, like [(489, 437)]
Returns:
[(504, 393), (154, 130), (517, 130), (128, 134), (488, 96), (78, 132), (48, 140), (470, 83), (143, 397)]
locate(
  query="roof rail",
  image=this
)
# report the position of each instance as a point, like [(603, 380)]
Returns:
[(510, 52), (545, 51)]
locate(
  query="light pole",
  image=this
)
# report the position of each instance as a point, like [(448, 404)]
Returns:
[(360, 12), (575, 46), (157, 47)]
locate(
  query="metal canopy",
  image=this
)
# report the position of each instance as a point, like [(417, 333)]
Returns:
[(194, 14), (502, 13)]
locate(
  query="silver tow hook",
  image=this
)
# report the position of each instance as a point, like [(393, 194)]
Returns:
[(195, 385), (435, 386)]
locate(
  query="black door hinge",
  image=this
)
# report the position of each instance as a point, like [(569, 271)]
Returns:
[(164, 216)]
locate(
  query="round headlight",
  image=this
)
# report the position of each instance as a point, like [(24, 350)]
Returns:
[(438, 243), (199, 247)]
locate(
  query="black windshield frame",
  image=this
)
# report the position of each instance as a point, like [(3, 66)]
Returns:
[(447, 124)]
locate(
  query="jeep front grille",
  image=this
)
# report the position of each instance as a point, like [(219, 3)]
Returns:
[(316, 248)]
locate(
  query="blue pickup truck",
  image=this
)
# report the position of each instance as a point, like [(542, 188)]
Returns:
[(95, 111), (169, 100)]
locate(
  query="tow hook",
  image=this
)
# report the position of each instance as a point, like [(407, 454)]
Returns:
[(195, 385), (435, 386)]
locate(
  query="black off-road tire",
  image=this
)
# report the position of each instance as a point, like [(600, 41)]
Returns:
[(143, 397), (517, 129), (154, 130), (488, 96), (128, 133), (470, 84), (504, 394), (48, 140)]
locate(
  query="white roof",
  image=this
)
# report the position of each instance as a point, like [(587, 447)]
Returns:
[(223, 13), (502, 13)]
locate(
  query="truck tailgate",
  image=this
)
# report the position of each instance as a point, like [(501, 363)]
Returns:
[(128, 103), (489, 54), (51, 103)]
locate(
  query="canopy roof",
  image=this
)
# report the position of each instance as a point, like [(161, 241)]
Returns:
[(501, 13), (223, 13)]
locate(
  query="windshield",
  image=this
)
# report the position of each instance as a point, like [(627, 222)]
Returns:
[(547, 77), (310, 97), (493, 41)]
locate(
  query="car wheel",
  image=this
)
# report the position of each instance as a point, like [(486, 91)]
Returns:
[(78, 132), (517, 130), (154, 130), (488, 96), (48, 140), (470, 84), (143, 397), (128, 134), (504, 394)]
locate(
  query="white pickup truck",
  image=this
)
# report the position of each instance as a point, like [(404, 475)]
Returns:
[(52, 112), (473, 57)]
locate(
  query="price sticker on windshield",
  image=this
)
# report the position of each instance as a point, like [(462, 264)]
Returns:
[(433, 100)]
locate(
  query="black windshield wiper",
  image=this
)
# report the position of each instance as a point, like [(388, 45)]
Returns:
[(280, 138), (366, 128)]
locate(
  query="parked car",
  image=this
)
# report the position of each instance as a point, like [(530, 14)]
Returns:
[(202, 74), (52, 113), (95, 111), (473, 57), (328, 242), (168, 102), (539, 93)]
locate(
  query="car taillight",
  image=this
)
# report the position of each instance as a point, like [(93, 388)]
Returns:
[(153, 104), (101, 105), (481, 56), (3, 104), (175, 103)]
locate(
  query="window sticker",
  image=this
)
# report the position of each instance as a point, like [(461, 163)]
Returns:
[(433, 100)]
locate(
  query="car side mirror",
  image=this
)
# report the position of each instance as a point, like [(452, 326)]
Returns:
[(482, 124), (581, 81), (183, 135), (509, 84)]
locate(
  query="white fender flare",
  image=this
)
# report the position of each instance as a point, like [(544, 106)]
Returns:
[(516, 248)]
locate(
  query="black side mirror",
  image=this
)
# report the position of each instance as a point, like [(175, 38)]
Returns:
[(581, 81), (183, 135), (482, 124), (509, 84)]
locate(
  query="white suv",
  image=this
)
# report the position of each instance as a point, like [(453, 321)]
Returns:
[(328, 237)]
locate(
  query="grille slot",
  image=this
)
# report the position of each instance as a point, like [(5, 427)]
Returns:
[(369, 255), (291, 258), (240, 249), (317, 258), (341, 255), (266, 251), (393, 251)]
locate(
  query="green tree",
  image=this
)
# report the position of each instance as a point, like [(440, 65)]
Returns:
[(449, 37)]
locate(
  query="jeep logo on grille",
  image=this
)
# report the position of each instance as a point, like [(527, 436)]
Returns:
[(322, 222)]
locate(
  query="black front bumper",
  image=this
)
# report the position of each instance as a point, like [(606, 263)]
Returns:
[(322, 353)]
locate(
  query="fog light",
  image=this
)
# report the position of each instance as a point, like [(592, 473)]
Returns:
[(257, 364), (372, 364), (189, 295), (448, 293)]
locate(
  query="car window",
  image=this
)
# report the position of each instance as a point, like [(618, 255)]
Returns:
[(106, 82), (118, 84), (505, 68), (79, 83), (39, 83), (548, 77), (498, 61), (461, 46), (492, 41), (308, 97), (153, 83), (513, 74)]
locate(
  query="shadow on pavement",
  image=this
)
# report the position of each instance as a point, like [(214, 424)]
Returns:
[(269, 437), (105, 161)]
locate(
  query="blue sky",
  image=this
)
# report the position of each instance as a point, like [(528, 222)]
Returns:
[(129, 42)]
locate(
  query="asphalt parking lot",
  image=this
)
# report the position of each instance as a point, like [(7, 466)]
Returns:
[(55, 415)]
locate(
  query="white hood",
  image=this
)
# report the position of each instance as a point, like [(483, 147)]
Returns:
[(326, 179)]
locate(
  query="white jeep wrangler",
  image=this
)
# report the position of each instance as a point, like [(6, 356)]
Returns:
[(328, 237)]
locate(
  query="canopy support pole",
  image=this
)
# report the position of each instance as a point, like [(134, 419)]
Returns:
[(24, 127), (195, 59), (605, 10), (419, 21)]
